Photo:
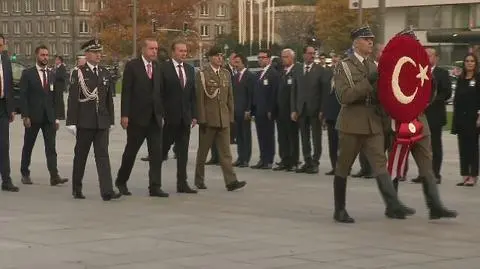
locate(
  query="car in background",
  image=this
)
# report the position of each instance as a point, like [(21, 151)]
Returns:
[(17, 70)]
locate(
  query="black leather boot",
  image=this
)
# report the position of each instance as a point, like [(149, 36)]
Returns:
[(339, 193), (432, 198), (395, 209)]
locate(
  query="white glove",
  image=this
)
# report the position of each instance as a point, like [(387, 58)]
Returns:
[(72, 129)]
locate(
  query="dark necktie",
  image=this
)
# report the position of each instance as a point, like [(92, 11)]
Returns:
[(95, 71), (45, 82), (180, 76), (307, 69)]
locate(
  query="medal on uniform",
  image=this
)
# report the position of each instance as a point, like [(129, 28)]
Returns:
[(405, 86)]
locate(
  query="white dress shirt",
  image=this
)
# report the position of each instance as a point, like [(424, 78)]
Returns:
[(91, 66), (40, 73), (265, 71), (216, 70), (175, 64)]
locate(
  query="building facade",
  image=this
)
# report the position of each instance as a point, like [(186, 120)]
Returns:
[(213, 18), (62, 25), (428, 15)]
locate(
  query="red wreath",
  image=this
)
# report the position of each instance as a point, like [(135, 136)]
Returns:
[(404, 90)]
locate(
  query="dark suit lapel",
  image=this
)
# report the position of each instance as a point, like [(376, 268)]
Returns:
[(36, 77), (174, 69)]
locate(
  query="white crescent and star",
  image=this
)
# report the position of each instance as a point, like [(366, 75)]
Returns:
[(397, 91)]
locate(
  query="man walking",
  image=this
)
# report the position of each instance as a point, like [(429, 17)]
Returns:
[(90, 110), (7, 115), (142, 117), (60, 86), (40, 112), (215, 114)]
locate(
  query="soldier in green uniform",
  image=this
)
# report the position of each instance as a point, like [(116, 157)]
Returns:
[(422, 153), (215, 114), (360, 126)]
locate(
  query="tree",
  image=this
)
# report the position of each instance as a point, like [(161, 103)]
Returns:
[(335, 21), (114, 23), (295, 27)]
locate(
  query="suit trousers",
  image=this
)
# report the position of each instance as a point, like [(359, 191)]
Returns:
[(244, 139), (288, 141), (4, 143), (468, 150), (351, 144), (214, 153), (266, 138), (49, 132), (136, 135), (311, 125), (221, 137), (437, 149), (180, 135), (332, 142), (100, 140)]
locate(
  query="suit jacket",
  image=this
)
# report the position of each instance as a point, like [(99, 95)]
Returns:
[(287, 85), (38, 104), (141, 96), (466, 105), (243, 93), (308, 94), (8, 83), (215, 100), (179, 103), (264, 94), (61, 78), (87, 114), (437, 111), (331, 106), (355, 116)]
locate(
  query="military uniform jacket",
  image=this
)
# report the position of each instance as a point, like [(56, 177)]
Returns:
[(356, 117), (214, 97), (90, 114)]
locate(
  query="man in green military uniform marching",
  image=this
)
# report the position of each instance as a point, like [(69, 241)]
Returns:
[(215, 114)]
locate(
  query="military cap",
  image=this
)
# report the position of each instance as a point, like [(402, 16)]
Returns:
[(92, 45), (81, 56), (214, 51), (408, 31), (362, 32)]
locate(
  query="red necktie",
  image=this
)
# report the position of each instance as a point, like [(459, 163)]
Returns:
[(45, 82), (180, 76)]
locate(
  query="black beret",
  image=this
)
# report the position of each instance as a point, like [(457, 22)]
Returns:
[(362, 32), (214, 51), (92, 45)]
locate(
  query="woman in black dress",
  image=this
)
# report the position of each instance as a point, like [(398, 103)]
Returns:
[(466, 120)]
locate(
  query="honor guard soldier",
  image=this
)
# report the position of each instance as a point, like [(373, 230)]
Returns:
[(360, 126), (215, 114), (90, 110)]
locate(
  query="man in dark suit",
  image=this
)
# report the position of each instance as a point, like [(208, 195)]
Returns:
[(39, 112), (264, 101), (437, 113), (178, 95), (243, 84), (307, 110), (233, 71), (60, 86), (7, 115), (331, 108), (90, 113), (288, 140), (142, 116)]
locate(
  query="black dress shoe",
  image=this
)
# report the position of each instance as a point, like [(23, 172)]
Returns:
[(201, 186), (267, 166), (418, 179), (243, 165), (342, 216), (280, 167), (395, 214), (302, 169), (78, 195), (212, 162), (55, 180), (236, 185), (9, 187), (184, 188), (26, 180), (312, 170), (331, 173), (111, 196), (145, 159), (123, 189), (158, 193), (442, 213), (359, 174), (257, 166), (291, 168)]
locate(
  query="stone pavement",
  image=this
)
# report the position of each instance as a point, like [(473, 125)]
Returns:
[(280, 220)]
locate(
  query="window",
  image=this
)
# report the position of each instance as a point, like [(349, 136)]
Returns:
[(66, 48), (475, 20), (461, 16), (28, 49), (83, 5), (28, 27), (4, 6), (204, 9), (65, 27), (28, 6), (51, 5), (16, 5), (40, 5), (41, 27), (220, 29), (16, 27), (53, 26), (5, 28), (16, 48), (83, 27), (65, 5), (102, 4), (53, 48), (204, 30), (221, 10)]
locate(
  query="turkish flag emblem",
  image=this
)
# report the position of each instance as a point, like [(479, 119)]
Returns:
[(405, 79)]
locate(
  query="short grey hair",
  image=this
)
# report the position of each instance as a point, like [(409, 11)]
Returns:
[(289, 51)]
